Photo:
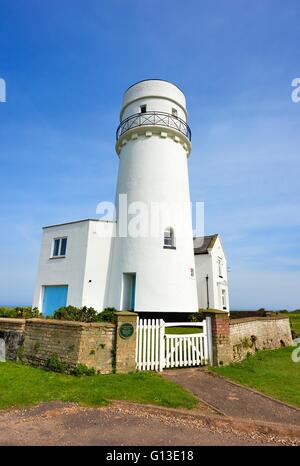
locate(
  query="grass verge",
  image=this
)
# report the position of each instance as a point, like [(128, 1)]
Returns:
[(272, 372), (22, 385)]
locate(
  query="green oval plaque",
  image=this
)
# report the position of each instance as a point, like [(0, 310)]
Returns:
[(126, 330)]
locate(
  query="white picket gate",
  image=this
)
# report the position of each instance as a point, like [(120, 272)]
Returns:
[(156, 350)]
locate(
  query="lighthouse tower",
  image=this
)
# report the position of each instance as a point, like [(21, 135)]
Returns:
[(152, 263)]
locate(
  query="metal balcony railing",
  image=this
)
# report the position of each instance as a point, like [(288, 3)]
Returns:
[(153, 119)]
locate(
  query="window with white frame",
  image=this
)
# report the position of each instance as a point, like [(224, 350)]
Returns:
[(220, 267), (59, 247), (174, 112), (143, 108), (223, 295), (169, 238)]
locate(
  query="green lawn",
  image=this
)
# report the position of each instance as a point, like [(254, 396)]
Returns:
[(183, 330), (271, 372), (295, 322), (22, 385)]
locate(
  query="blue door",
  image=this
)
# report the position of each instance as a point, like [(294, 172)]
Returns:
[(54, 297)]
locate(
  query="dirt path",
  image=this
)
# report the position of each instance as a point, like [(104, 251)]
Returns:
[(232, 400), (120, 424)]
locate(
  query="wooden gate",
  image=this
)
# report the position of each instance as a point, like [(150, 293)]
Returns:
[(156, 349)]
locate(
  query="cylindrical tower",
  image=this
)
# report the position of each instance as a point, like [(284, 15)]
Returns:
[(152, 266)]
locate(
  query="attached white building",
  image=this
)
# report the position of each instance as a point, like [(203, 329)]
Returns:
[(211, 273), (95, 263)]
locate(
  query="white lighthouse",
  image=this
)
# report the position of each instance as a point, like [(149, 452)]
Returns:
[(146, 259), (153, 268)]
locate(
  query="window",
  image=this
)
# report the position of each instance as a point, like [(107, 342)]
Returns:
[(143, 108), (59, 247), (220, 267), (169, 238), (174, 112), (192, 272), (224, 299)]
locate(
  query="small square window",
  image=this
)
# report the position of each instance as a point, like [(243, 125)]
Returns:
[(143, 108), (192, 272), (174, 112), (59, 247)]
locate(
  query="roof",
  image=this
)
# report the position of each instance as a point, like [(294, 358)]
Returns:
[(153, 79), (79, 221), (203, 243)]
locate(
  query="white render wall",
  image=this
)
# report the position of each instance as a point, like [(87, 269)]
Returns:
[(207, 264), (153, 168), (87, 258)]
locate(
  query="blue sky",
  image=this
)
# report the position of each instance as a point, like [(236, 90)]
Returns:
[(66, 64)]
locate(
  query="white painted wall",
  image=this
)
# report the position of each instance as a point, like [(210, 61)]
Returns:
[(87, 258), (154, 169), (220, 282), (97, 264), (207, 264)]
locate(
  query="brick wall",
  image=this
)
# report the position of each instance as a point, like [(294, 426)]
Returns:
[(12, 332), (221, 352), (73, 342), (96, 345), (251, 334)]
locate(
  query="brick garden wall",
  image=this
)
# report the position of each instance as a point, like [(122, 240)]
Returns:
[(248, 335), (96, 345), (73, 343)]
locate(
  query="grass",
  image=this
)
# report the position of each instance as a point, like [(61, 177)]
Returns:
[(270, 371), (22, 385), (182, 330), (295, 322)]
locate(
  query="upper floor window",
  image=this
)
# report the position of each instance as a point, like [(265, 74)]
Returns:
[(143, 108), (224, 299), (169, 238), (220, 267), (59, 247), (174, 112)]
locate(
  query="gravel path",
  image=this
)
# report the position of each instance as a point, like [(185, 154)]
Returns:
[(123, 424)]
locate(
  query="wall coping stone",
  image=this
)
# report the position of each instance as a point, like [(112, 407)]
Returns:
[(126, 313), (12, 320), (70, 323), (241, 320)]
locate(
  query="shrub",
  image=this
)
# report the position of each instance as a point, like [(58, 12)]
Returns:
[(82, 314), (55, 364), (82, 369), (197, 317), (85, 314), (22, 312), (107, 315)]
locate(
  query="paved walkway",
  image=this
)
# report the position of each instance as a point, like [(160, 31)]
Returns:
[(231, 399)]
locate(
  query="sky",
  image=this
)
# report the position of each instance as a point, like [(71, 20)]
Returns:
[(66, 64)]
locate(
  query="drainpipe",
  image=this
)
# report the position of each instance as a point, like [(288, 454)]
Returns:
[(207, 292)]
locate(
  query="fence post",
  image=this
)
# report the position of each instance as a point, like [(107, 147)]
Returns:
[(220, 336), (161, 344), (209, 340), (126, 341)]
